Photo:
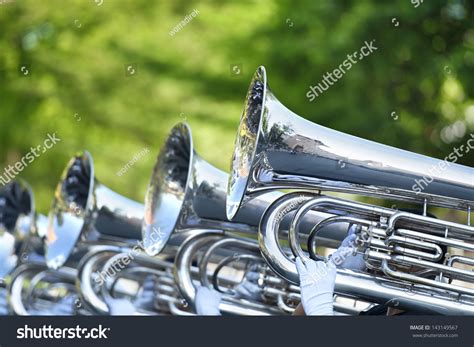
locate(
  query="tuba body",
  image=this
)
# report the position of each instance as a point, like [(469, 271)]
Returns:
[(414, 261)]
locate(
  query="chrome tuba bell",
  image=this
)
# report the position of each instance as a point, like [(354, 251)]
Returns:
[(277, 149), (83, 209)]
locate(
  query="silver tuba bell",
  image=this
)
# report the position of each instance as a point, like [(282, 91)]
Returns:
[(83, 209), (186, 192), (277, 149)]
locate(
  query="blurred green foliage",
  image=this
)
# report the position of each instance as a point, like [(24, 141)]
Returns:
[(415, 92)]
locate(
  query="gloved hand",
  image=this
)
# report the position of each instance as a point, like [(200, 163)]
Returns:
[(120, 307), (7, 265), (317, 280), (8, 259), (207, 302), (344, 256), (144, 300), (65, 307), (248, 288)]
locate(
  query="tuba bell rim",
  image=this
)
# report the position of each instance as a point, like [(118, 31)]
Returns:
[(14, 239), (158, 227), (67, 220), (240, 169)]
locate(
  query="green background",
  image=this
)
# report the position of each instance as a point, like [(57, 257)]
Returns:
[(415, 92)]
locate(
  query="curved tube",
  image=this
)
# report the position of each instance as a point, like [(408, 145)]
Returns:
[(367, 287), (22, 274), (226, 261), (183, 262), (251, 246)]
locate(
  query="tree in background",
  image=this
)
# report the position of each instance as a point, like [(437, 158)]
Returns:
[(108, 77)]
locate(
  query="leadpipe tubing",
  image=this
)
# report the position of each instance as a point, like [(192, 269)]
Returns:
[(400, 259), (429, 221), (438, 239), (416, 279)]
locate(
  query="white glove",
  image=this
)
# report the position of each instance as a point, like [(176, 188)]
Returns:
[(344, 256), (317, 280), (248, 288), (120, 307), (7, 265), (144, 300), (8, 259), (65, 307), (207, 302)]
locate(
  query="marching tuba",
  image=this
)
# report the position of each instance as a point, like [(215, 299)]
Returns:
[(406, 253)]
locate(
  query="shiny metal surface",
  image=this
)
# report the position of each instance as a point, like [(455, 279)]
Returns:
[(184, 279), (215, 251), (18, 231), (387, 285), (275, 148), (31, 283), (186, 192), (84, 209), (22, 230), (95, 292), (26, 297)]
